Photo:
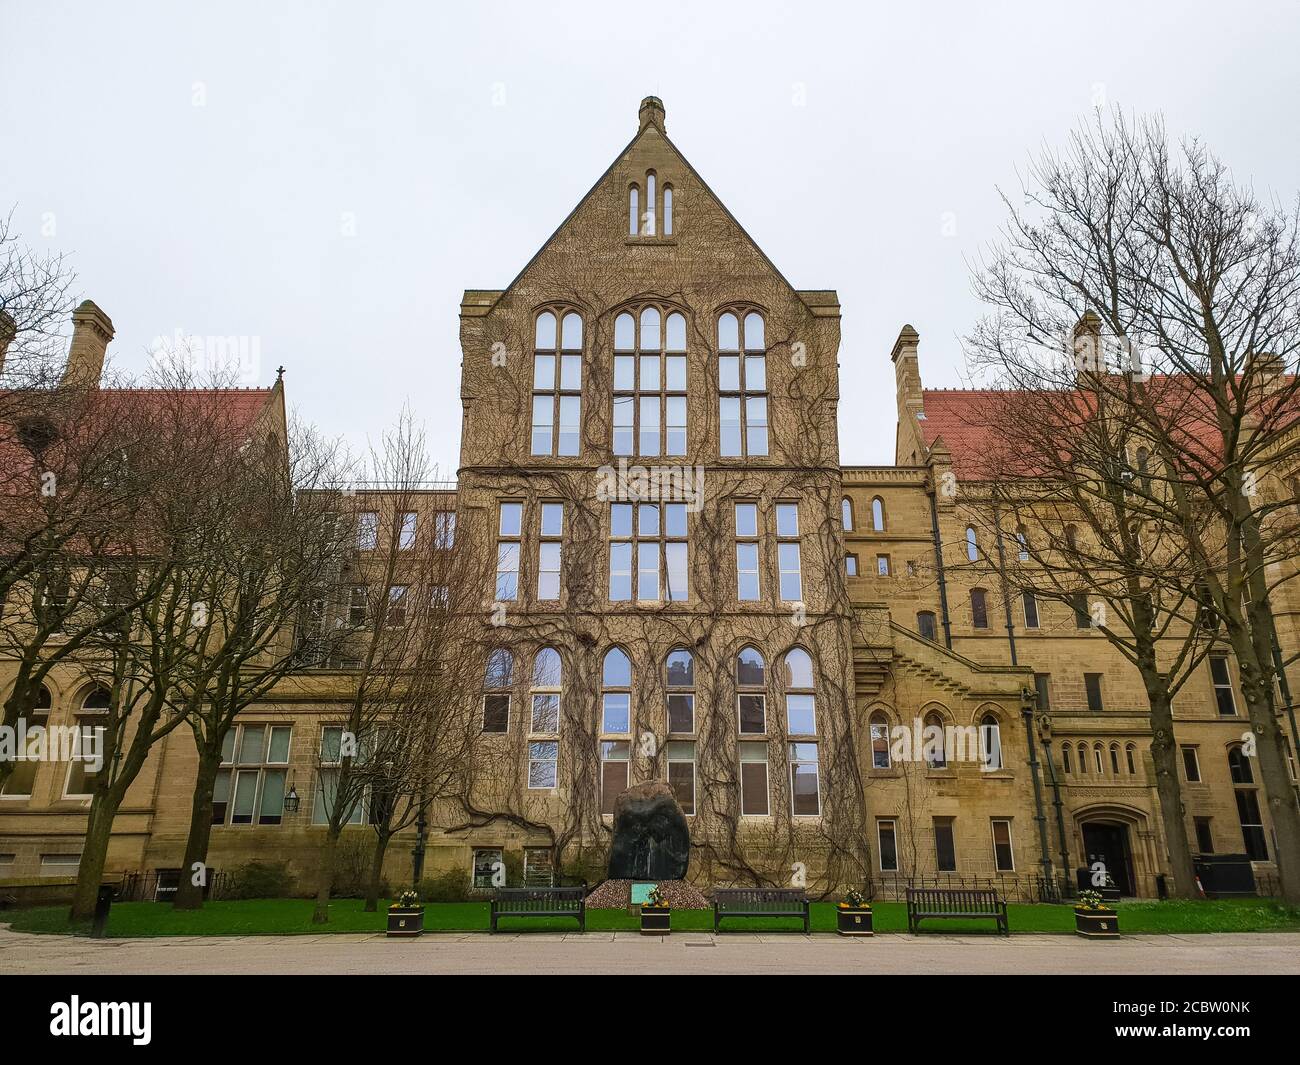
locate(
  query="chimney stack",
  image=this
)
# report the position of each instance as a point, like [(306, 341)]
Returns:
[(8, 330), (92, 329)]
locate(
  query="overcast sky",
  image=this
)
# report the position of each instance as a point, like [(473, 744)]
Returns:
[(326, 179)]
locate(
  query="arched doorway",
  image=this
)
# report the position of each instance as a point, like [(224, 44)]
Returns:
[(1108, 842), (1119, 837)]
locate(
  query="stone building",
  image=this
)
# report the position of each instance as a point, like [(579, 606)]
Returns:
[(690, 585)]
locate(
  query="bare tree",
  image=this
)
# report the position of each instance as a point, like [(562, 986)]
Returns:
[(271, 590), (1195, 288), (394, 620)]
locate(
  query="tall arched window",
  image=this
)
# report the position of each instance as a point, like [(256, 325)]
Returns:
[(1114, 759), (1072, 538), (650, 384), (1248, 813), (979, 608), (972, 545), (651, 205), (878, 514), (24, 772), (557, 385), (90, 720), (546, 691), (990, 742), (1065, 758), (751, 691), (680, 669), (1130, 755), (846, 514), (879, 725), (1022, 544), (932, 740), (497, 682), (800, 702), (742, 386), (616, 693), (633, 211), (1096, 760), (668, 210)]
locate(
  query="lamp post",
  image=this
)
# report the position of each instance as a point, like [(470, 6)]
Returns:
[(1028, 700)]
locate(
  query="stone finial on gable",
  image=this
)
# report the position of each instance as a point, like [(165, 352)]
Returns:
[(652, 113)]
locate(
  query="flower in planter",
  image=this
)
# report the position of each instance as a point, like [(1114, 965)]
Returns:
[(854, 900), (408, 900), (656, 900), (1090, 900)]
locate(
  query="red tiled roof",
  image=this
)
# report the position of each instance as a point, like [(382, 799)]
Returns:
[(971, 421)]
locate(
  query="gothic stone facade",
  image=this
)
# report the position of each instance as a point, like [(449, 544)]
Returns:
[(691, 586)]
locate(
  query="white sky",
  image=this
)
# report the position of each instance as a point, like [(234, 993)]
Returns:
[(843, 137)]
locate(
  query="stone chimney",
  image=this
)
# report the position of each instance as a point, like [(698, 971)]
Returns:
[(92, 329), (7, 333), (1087, 346), (652, 113), (909, 442)]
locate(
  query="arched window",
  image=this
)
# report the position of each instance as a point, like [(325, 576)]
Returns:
[(878, 514), (800, 703), (680, 669), (932, 740), (1096, 760), (1130, 756), (1072, 538), (879, 741), (925, 625), (633, 211), (616, 693), (650, 384), (1065, 758), (846, 514), (1114, 759), (546, 691), (651, 205), (89, 718), (1248, 812), (742, 386), (557, 385), (497, 681), (1022, 544), (1239, 767), (972, 544), (668, 210), (751, 694), (20, 781), (979, 608), (990, 742), (616, 720)]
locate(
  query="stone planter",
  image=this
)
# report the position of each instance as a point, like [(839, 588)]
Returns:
[(405, 923), (656, 920), (854, 921), (1096, 924)]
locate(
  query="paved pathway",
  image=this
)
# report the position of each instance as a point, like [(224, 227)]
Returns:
[(618, 952)]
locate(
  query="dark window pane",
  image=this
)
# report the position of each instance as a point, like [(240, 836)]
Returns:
[(496, 713), (945, 850)]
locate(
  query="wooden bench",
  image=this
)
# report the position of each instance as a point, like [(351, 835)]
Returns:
[(759, 902), (954, 903), (540, 902)]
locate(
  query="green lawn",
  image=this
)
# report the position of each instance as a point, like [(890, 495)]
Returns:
[(293, 917)]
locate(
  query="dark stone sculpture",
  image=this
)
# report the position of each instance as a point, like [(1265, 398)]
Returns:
[(651, 840)]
